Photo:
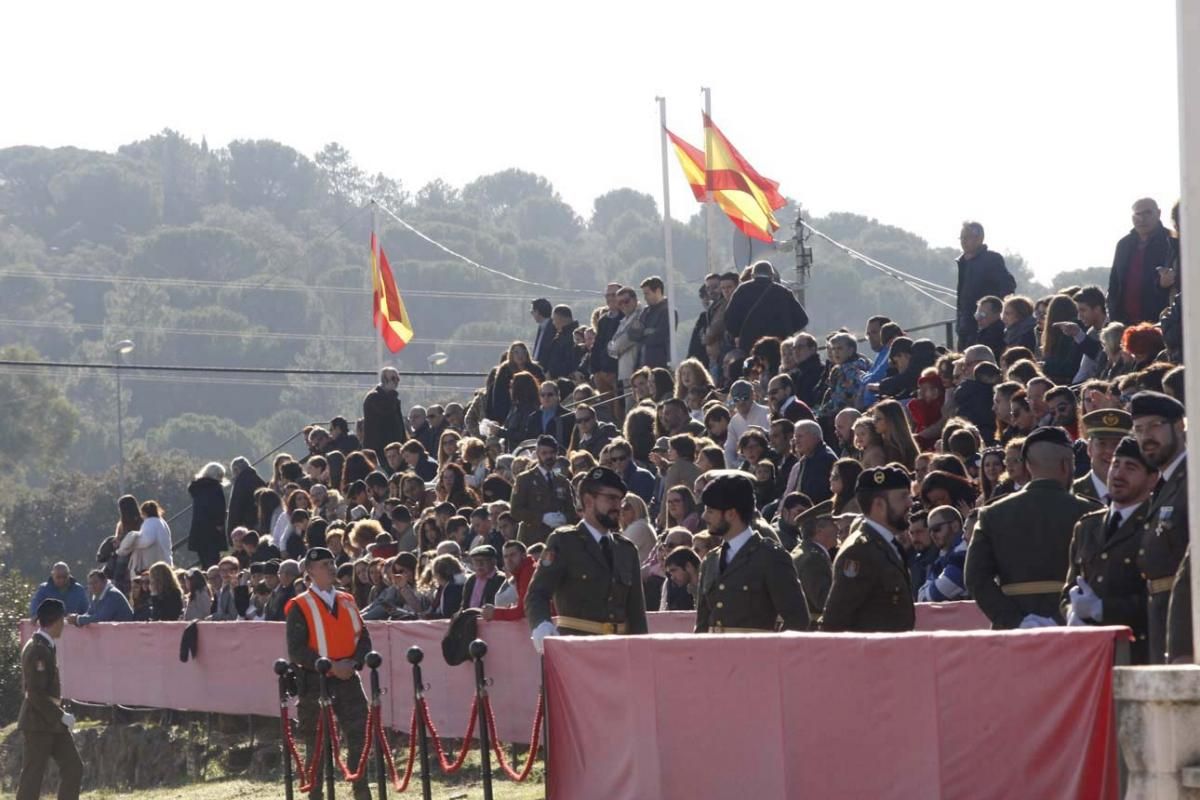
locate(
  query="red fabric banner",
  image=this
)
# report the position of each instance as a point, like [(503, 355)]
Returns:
[(137, 664), (932, 715)]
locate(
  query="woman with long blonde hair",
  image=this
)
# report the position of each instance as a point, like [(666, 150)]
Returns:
[(891, 423)]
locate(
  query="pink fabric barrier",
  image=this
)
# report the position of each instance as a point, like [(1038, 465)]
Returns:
[(137, 664), (930, 715)]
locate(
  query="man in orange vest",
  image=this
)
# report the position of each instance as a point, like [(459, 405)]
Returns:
[(324, 623)]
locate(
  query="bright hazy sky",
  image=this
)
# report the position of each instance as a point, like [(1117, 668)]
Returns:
[(1044, 120)]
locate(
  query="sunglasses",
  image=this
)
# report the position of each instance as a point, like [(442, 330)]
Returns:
[(585, 419), (620, 458)]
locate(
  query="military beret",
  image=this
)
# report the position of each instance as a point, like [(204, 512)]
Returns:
[(271, 567), (598, 477), (1128, 448), (50, 611), (316, 554), (741, 390), (484, 551), (1047, 434), (882, 478), (729, 489), (661, 444), (1107, 422), (1155, 404)]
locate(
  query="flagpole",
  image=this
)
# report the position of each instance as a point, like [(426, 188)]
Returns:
[(710, 208), (672, 299), (376, 247)]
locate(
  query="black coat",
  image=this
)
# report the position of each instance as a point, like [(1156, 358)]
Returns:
[(761, 308), (807, 378), (561, 357), (599, 359), (974, 401), (560, 426), (499, 383), (982, 275), (208, 516), (383, 420), (242, 509), (1160, 252), (993, 337)]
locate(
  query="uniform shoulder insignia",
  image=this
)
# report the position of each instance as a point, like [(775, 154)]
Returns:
[(41, 666), (1096, 513), (850, 568)]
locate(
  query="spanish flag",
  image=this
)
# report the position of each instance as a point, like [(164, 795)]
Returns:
[(744, 195), (692, 161), (388, 312)]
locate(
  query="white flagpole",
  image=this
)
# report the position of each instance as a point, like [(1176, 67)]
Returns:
[(672, 298), (710, 208), (376, 249)]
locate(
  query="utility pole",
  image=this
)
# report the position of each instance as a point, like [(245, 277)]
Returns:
[(710, 208), (804, 256)]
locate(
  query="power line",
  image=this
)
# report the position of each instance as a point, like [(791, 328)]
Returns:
[(236, 370), (933, 286), (224, 381), (476, 264)]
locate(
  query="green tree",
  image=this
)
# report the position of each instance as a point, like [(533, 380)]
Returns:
[(37, 422)]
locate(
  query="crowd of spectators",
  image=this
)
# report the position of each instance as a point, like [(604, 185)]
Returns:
[(447, 507)]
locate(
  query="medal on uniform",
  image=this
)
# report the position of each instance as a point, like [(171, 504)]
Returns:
[(850, 568)]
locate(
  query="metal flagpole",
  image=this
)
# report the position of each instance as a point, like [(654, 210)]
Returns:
[(672, 298), (1188, 27), (376, 249), (710, 208)]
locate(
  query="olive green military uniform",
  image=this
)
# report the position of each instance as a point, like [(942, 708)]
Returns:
[(1179, 614), (1020, 552), (1108, 562), (813, 565), (40, 722), (757, 587), (590, 595), (346, 696), (1086, 487), (871, 590), (1164, 543), (533, 497)]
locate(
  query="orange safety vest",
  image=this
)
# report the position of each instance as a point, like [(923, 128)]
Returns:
[(330, 637)]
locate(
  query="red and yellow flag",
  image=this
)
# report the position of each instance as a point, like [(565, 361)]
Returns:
[(388, 312), (744, 195), (692, 161)]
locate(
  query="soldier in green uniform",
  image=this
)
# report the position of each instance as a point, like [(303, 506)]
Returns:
[(1104, 584), (45, 727), (1103, 429), (872, 589), (814, 565), (748, 582), (541, 498), (592, 574), (1158, 426), (1020, 550), (324, 623)]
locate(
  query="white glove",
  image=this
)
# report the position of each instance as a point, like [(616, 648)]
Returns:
[(68, 719), (541, 632), (1084, 600), (1073, 619), (553, 519), (1036, 621)]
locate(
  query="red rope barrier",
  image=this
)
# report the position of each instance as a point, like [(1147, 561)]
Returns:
[(448, 768), (308, 775), (361, 771), (397, 784), (533, 740)]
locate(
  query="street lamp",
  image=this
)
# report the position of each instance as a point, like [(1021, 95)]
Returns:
[(120, 350), (435, 360)]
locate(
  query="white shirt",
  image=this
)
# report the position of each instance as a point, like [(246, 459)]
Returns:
[(732, 545), (759, 416), (1122, 512), (1101, 489), (1174, 465), (329, 597), (596, 533), (887, 535)]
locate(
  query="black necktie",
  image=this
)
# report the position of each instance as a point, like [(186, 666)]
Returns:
[(724, 559), (550, 482), (606, 546), (1158, 487), (1114, 522)]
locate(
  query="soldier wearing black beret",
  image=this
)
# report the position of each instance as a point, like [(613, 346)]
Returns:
[(872, 589), (1104, 584), (44, 726), (748, 582), (1158, 426), (590, 572), (1020, 549)]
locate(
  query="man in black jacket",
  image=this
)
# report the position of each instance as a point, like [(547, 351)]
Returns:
[(809, 373), (1133, 292), (604, 366), (653, 326), (761, 307), (243, 512), (981, 272), (383, 417), (560, 357)]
